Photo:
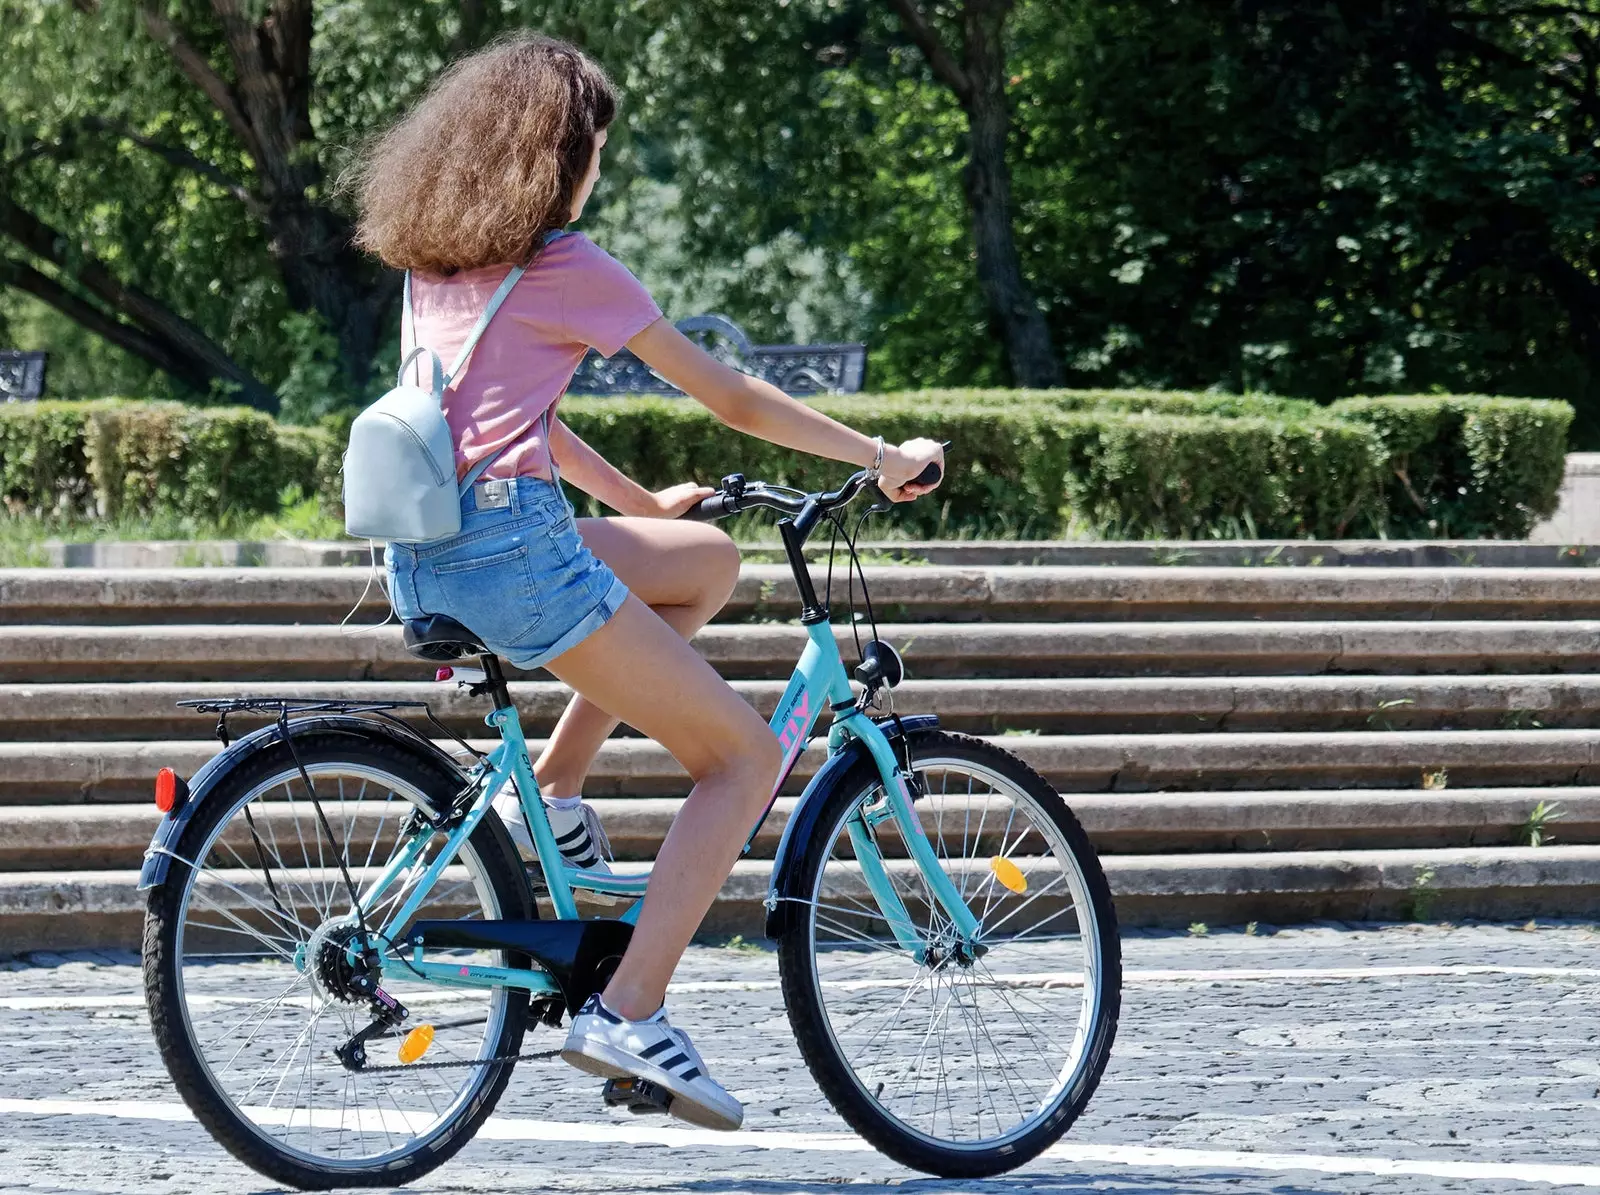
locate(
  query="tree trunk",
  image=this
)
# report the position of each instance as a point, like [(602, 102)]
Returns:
[(195, 358), (150, 349), (979, 83), (322, 273), (310, 242), (988, 184)]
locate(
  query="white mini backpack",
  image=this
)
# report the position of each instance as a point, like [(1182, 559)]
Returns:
[(400, 466)]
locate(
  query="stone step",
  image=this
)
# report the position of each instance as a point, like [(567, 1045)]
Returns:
[(1384, 553), (245, 652), (146, 710), (77, 773), (80, 909), (94, 837), (996, 593)]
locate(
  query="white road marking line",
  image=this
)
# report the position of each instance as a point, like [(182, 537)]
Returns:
[(1045, 979), (516, 1128)]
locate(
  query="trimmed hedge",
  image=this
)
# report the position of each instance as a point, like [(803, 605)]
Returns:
[(44, 468), (1132, 464), (1033, 470), (1158, 402), (1465, 466), (111, 459)]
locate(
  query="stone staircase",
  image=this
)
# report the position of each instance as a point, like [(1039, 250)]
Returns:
[(1243, 743)]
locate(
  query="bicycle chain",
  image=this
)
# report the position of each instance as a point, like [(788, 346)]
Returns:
[(439, 1066)]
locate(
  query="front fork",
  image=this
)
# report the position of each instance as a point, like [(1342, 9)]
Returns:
[(897, 804)]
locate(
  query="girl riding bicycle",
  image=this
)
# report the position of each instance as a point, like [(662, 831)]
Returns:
[(501, 153)]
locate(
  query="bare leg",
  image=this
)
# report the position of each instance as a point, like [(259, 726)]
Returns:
[(685, 573), (638, 669)]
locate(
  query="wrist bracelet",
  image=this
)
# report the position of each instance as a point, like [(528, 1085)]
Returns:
[(876, 471)]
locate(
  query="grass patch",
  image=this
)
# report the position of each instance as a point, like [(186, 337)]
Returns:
[(25, 539)]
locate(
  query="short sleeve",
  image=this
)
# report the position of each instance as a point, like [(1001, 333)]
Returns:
[(603, 305)]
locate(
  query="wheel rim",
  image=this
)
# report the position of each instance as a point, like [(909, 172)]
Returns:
[(264, 1030), (974, 1053)]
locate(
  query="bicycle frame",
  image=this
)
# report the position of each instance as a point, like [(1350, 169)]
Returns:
[(819, 678)]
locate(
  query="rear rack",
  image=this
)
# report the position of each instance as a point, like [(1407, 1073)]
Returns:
[(283, 707)]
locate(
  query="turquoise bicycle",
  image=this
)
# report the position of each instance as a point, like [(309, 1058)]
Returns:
[(343, 950)]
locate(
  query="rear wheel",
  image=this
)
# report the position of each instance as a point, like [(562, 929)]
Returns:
[(965, 1062), (249, 989)]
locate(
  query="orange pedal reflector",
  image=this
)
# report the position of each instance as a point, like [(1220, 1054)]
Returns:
[(1009, 874), (416, 1043), (166, 789)]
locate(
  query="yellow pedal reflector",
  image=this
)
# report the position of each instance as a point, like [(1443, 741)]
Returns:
[(1009, 874), (416, 1043)]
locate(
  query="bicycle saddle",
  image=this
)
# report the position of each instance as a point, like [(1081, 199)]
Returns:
[(439, 639)]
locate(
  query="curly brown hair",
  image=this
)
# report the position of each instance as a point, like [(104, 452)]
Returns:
[(488, 162)]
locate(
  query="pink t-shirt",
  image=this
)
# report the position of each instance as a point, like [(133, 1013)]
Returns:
[(575, 296)]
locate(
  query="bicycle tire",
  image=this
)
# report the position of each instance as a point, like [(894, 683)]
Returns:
[(192, 1076), (808, 1016)]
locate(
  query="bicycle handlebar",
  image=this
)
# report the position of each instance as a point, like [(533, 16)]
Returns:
[(749, 495)]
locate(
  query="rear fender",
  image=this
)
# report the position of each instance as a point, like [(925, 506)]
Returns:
[(781, 908), (158, 856)]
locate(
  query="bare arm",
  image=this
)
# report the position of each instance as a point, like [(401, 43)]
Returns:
[(759, 409), (598, 477)]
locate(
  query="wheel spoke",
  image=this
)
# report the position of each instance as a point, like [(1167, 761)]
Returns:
[(263, 977), (966, 1043)]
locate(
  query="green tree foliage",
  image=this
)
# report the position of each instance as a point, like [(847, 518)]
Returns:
[(1325, 199), (1319, 199), (168, 173)]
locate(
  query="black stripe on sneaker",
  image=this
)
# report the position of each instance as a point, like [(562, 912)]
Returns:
[(572, 835), (691, 1074), (651, 1051), (675, 1060)]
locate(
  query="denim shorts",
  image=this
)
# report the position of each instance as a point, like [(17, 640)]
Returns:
[(518, 576)]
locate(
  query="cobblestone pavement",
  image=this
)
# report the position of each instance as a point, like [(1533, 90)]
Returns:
[(1332, 1048)]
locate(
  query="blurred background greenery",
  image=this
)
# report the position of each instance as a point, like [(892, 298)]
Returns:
[(1308, 199)]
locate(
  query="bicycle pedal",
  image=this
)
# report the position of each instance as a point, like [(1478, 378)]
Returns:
[(639, 1096)]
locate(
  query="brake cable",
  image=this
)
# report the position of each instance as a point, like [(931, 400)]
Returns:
[(853, 570)]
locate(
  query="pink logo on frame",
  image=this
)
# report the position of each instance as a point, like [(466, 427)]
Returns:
[(793, 736)]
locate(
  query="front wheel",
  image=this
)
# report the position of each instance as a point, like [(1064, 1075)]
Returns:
[(974, 1057)]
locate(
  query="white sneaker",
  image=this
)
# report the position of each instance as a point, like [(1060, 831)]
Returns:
[(602, 1043), (579, 835)]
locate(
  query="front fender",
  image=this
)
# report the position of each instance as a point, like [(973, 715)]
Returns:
[(803, 821), (158, 857)]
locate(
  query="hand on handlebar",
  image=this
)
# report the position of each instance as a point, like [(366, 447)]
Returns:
[(673, 501), (904, 467)]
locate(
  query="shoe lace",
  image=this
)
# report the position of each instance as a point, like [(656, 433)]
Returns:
[(597, 832)]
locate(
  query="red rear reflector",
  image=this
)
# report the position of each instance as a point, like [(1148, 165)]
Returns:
[(444, 674), (166, 790)]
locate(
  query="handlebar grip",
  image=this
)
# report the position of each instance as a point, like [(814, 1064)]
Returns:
[(929, 476), (709, 509)]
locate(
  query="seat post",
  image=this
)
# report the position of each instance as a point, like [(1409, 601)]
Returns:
[(497, 680)]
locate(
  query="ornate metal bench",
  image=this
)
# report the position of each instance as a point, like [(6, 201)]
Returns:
[(21, 375), (792, 368)]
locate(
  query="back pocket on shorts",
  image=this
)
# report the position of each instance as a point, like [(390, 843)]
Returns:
[(493, 596)]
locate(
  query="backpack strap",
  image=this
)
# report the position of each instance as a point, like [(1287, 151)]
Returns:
[(441, 379), (482, 325), (499, 297), (478, 470), (438, 371), (437, 390)]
